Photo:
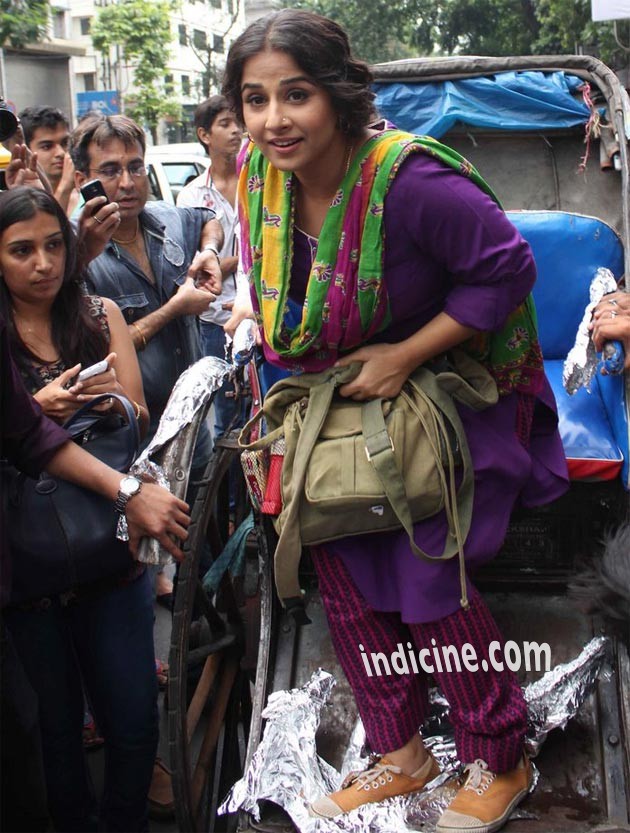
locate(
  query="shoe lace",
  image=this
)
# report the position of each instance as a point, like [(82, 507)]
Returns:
[(479, 777), (378, 775)]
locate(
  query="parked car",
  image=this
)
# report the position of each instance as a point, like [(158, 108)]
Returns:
[(170, 167)]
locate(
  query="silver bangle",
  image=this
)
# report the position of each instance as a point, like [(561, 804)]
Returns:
[(211, 248)]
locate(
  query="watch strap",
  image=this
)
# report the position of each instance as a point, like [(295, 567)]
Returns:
[(123, 498)]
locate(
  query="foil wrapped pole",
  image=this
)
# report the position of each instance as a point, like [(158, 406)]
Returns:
[(244, 342), (168, 457), (287, 770), (581, 362)]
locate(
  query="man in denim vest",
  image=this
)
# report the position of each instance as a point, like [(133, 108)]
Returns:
[(153, 257)]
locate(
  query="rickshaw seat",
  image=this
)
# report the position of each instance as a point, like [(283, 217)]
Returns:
[(569, 248)]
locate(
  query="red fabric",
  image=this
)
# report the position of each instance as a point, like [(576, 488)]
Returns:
[(594, 469), (272, 503)]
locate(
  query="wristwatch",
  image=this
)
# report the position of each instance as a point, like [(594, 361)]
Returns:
[(212, 248), (129, 486)]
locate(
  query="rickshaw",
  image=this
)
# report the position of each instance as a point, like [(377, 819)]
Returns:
[(550, 134)]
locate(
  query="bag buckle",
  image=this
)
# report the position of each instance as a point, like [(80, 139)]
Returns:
[(383, 447)]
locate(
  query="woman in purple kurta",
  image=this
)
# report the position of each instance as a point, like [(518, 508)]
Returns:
[(449, 265), (448, 246)]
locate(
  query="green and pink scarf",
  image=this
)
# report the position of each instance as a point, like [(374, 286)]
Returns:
[(346, 296)]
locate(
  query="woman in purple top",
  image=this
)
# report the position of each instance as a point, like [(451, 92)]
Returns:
[(444, 268)]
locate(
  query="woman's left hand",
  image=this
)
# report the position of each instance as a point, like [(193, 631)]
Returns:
[(382, 375)]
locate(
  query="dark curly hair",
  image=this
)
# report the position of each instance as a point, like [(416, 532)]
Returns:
[(75, 333), (320, 48)]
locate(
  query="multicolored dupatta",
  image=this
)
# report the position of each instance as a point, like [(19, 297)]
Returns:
[(346, 296)]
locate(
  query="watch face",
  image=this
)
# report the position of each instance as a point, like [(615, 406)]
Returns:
[(130, 485)]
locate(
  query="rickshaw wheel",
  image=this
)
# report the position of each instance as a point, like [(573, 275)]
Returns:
[(208, 694)]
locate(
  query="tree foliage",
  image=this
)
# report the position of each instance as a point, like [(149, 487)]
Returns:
[(23, 21), (213, 66), (141, 29), (382, 30), (379, 30)]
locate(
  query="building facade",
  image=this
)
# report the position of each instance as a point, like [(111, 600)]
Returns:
[(66, 71), (42, 73), (201, 32)]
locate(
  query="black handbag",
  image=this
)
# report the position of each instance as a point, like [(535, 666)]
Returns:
[(62, 536)]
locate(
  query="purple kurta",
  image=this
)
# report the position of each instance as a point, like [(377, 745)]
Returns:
[(449, 247)]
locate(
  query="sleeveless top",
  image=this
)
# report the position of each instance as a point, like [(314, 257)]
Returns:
[(39, 374)]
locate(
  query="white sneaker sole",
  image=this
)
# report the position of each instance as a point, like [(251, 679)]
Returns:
[(491, 826)]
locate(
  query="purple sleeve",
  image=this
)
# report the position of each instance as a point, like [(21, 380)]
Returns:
[(29, 439), (464, 236)]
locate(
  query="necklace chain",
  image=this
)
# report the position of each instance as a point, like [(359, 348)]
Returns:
[(348, 158), (131, 239)]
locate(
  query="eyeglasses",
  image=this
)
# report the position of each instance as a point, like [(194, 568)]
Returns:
[(110, 172)]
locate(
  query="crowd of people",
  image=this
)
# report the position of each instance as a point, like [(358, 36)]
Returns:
[(125, 285), (150, 288)]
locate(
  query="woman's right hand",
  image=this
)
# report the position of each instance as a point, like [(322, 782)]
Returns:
[(57, 402)]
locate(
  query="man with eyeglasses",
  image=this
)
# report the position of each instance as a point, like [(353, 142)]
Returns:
[(153, 258)]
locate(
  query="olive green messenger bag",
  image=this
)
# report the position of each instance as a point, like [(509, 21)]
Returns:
[(352, 468)]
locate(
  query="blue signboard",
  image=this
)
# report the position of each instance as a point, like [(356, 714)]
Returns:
[(102, 101)]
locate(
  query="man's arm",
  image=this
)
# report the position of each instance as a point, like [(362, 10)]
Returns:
[(194, 296), (206, 267), (212, 235), (188, 300)]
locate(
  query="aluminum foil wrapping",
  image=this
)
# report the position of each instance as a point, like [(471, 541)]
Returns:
[(244, 342), (556, 697), (581, 362), (191, 393), (287, 770)]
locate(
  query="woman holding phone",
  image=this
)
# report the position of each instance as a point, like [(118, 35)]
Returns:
[(59, 333), (99, 634)]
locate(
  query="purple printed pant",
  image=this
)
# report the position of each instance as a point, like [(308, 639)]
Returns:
[(488, 711)]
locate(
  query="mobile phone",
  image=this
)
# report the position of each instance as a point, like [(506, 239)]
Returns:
[(93, 188), (92, 370)]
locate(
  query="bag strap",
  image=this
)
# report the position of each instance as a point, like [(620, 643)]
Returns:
[(289, 546), (76, 423), (457, 502), (263, 441), (285, 393)]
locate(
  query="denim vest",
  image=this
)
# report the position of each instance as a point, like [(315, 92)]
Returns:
[(172, 238)]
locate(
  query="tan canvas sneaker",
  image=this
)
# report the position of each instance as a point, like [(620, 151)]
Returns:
[(380, 781), (486, 800)]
